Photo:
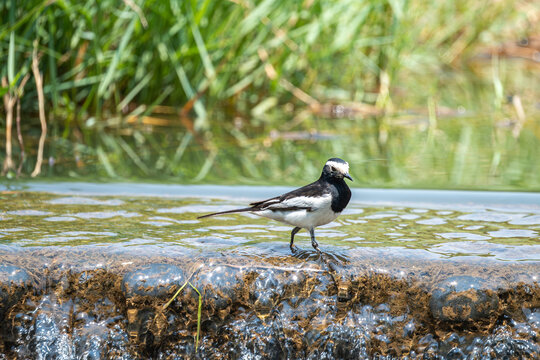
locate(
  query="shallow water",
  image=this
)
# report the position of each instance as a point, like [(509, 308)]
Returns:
[(427, 224), (86, 268)]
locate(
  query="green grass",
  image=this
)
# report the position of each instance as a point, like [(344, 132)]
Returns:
[(199, 309), (102, 56), (227, 76)]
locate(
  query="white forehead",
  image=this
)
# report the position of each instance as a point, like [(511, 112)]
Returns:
[(341, 167)]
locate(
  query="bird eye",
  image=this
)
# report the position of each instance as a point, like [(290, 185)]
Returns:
[(332, 168)]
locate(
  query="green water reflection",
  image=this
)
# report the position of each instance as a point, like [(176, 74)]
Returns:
[(407, 151)]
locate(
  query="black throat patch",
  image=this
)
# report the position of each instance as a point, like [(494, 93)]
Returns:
[(341, 194)]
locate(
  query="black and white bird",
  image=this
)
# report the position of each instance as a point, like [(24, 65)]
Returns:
[(310, 206)]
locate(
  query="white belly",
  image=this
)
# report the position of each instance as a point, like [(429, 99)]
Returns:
[(301, 218)]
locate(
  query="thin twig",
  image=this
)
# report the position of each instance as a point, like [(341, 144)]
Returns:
[(41, 102)]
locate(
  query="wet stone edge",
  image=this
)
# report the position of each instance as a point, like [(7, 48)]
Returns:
[(138, 291)]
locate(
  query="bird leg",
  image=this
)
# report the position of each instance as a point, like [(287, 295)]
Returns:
[(313, 241), (293, 232)]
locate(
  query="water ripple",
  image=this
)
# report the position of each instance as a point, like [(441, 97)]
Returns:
[(29, 212), (462, 235), (106, 214), (490, 216), (513, 233), (432, 221), (60, 218), (74, 200), (528, 220), (399, 228)]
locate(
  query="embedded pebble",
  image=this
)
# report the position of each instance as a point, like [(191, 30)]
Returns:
[(12, 275), (152, 280), (12, 282), (12, 279), (463, 299), (222, 286), (266, 292)]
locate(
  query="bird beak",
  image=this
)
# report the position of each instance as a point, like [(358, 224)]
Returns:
[(348, 176)]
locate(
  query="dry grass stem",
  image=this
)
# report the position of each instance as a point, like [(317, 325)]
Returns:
[(138, 11), (300, 94), (10, 100), (41, 102), (518, 106)]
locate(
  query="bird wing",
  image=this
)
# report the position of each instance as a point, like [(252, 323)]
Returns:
[(305, 198), (266, 202)]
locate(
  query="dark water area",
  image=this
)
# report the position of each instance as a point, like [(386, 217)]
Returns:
[(86, 271)]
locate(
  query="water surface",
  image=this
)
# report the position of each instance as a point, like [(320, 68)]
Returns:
[(429, 224)]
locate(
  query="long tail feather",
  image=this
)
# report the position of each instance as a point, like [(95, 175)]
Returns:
[(226, 212)]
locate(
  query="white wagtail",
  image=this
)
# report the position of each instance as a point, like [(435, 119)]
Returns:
[(310, 206)]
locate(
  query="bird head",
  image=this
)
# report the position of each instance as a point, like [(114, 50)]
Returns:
[(336, 168)]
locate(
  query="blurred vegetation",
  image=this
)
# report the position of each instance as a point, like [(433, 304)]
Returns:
[(413, 93)]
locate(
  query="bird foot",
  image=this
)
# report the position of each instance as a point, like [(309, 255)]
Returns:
[(294, 249)]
